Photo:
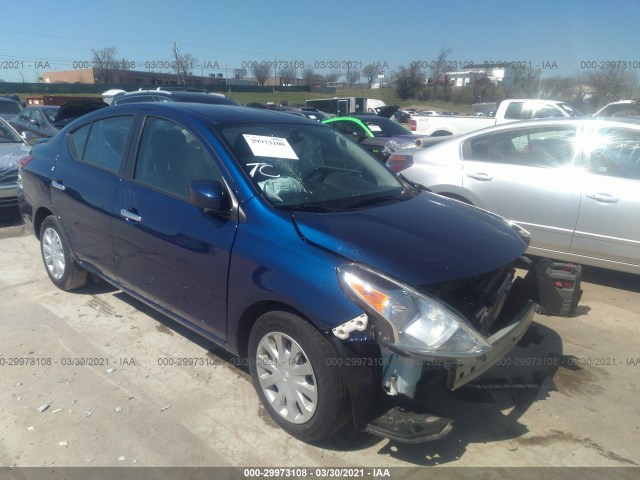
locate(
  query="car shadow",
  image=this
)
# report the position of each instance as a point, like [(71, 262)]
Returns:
[(488, 409), (167, 324), (611, 278), (10, 217)]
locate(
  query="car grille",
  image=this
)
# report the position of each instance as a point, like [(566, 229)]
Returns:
[(480, 299)]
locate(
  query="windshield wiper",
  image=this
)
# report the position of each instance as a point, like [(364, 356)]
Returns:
[(310, 207), (372, 201)]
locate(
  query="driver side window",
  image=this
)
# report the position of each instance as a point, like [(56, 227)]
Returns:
[(169, 157)]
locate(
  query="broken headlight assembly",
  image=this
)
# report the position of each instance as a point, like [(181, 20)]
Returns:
[(410, 322)]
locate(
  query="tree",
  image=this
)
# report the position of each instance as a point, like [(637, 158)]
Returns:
[(239, 73), (611, 85), (184, 66), (333, 76), (309, 75), (287, 75), (371, 72), (438, 70), (526, 83), (261, 72), (352, 76), (410, 83), (104, 61)]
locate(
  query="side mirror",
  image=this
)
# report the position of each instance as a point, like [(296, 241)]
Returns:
[(209, 196)]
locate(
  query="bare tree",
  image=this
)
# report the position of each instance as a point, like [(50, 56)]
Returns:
[(104, 61), (184, 65), (309, 75), (352, 76), (612, 85), (371, 72), (438, 70), (287, 75), (239, 73), (333, 76), (261, 72)]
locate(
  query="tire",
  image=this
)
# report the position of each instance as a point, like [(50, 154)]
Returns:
[(56, 255), (319, 405)]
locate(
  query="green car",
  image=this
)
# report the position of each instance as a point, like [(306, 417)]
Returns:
[(378, 135)]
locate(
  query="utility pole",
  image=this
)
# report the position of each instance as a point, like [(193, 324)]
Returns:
[(175, 53)]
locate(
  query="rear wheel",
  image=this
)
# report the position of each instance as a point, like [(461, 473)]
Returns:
[(297, 376), (56, 255)]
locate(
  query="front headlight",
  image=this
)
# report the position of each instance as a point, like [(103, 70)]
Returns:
[(412, 322)]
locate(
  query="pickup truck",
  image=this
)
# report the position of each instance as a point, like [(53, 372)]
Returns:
[(509, 111)]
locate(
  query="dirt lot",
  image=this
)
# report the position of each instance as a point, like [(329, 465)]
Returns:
[(568, 396)]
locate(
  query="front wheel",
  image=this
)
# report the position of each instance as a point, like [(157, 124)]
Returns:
[(56, 255), (297, 376)]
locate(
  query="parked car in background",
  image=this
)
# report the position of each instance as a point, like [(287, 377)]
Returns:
[(37, 121), (574, 184), (167, 95), (9, 108), (402, 116), (269, 235), (379, 135), (45, 121), (512, 110), (307, 112), (623, 108), (12, 149)]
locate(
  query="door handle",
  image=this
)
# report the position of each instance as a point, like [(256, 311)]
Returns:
[(58, 185), (603, 197), (483, 177), (129, 215)]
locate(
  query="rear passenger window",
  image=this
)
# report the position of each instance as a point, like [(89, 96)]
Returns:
[(614, 152), (101, 143), (78, 140)]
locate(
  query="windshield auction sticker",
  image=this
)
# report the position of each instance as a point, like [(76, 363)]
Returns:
[(262, 146)]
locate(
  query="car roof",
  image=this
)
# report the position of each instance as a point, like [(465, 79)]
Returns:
[(41, 107), (178, 95), (222, 114), (577, 121)]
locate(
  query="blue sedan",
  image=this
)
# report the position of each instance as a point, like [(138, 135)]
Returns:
[(287, 244)]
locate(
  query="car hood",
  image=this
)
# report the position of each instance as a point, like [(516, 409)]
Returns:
[(75, 109), (422, 241), (10, 155), (387, 111)]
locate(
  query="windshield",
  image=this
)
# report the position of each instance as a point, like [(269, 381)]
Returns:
[(310, 167), (383, 127), (50, 113), (8, 134), (570, 110)]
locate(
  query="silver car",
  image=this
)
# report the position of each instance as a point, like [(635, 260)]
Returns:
[(12, 149), (574, 183)]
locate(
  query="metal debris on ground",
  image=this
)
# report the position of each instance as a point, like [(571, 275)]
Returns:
[(164, 408), (44, 407)]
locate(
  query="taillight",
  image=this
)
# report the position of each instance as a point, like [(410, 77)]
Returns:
[(397, 163), (24, 161), (414, 125)]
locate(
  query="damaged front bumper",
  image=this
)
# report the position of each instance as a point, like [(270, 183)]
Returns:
[(468, 369)]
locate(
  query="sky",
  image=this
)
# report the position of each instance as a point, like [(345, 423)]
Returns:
[(562, 37)]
